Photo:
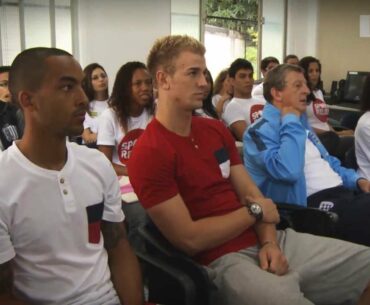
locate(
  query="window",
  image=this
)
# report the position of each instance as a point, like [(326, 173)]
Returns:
[(34, 23), (231, 31)]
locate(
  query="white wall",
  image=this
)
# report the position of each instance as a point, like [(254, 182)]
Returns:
[(302, 25), (112, 32)]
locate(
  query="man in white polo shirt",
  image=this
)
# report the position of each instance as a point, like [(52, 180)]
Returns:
[(243, 109), (289, 163), (62, 239)]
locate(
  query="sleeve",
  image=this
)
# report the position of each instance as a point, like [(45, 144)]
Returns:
[(106, 134), (152, 175), (348, 175), (87, 122), (281, 154), (7, 251), (112, 194), (233, 113)]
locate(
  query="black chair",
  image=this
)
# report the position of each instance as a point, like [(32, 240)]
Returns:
[(350, 160), (307, 220), (173, 278)]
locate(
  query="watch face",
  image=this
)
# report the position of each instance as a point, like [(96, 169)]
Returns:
[(255, 208)]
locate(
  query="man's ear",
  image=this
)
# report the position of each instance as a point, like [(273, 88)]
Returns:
[(276, 95), (162, 78), (25, 99)]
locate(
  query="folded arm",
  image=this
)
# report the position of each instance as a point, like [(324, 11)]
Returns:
[(281, 152)]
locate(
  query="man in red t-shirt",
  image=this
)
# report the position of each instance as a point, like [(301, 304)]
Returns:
[(187, 174)]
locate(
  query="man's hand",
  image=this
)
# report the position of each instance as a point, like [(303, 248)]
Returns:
[(363, 185), (91, 138), (272, 259)]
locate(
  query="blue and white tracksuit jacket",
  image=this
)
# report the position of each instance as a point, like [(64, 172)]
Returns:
[(274, 155)]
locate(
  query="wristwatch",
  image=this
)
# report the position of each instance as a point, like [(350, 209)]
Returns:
[(255, 210)]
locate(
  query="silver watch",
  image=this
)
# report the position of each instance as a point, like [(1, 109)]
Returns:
[(255, 210)]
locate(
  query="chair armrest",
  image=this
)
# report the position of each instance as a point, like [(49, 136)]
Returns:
[(308, 220)]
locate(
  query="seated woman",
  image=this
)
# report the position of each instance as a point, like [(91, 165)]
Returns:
[(207, 110), (130, 110), (95, 85), (362, 134), (336, 142), (222, 92)]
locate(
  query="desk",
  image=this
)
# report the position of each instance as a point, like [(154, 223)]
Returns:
[(343, 108), (340, 110), (128, 194)]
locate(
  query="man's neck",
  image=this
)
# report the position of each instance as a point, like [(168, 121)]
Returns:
[(44, 151), (174, 119), (243, 96)]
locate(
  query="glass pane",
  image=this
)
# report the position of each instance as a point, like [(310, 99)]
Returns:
[(63, 25), (273, 29), (37, 23), (185, 17), (231, 31), (10, 33)]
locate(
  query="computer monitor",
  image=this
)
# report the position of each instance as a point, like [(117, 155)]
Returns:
[(354, 85)]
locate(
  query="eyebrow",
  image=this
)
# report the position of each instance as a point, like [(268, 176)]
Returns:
[(195, 69), (68, 79)]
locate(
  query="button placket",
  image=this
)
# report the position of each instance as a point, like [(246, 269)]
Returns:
[(67, 194)]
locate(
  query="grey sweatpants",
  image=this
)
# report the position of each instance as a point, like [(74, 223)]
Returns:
[(321, 271)]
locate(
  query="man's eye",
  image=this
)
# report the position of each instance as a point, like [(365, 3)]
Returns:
[(67, 87)]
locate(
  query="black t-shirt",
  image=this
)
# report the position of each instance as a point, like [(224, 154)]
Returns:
[(10, 128)]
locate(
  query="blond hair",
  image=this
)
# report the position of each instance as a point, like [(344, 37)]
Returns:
[(166, 49)]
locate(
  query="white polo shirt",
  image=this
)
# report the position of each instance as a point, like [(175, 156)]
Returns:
[(50, 226), (243, 109)]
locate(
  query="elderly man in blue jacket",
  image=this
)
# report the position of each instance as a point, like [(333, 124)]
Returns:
[(289, 164)]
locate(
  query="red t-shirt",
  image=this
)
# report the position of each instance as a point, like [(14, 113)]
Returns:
[(164, 164)]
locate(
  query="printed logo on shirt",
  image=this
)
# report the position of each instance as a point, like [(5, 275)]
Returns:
[(94, 217), (326, 205), (222, 158), (126, 145), (320, 110), (256, 112)]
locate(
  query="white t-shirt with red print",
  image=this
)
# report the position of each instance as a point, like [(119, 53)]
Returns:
[(243, 109), (318, 112), (111, 133)]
